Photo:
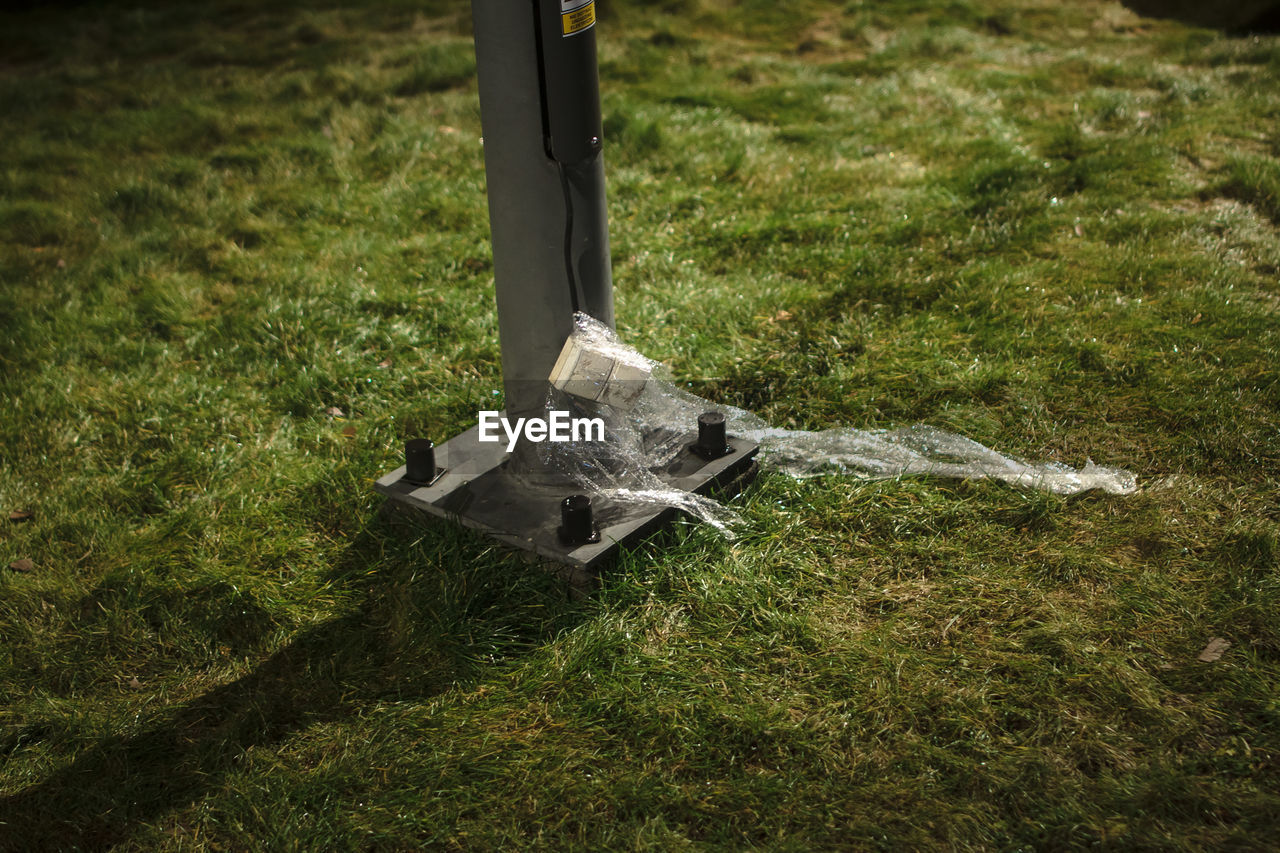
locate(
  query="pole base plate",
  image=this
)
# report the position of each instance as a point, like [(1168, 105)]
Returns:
[(478, 490)]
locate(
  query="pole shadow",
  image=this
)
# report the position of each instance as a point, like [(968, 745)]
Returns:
[(433, 613), (1239, 18)]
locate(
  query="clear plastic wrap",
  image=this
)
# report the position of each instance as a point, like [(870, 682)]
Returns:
[(646, 415), (598, 376)]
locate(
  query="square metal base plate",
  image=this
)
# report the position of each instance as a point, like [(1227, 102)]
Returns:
[(477, 490)]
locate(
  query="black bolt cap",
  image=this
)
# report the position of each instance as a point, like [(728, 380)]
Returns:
[(712, 441), (420, 460), (577, 526)]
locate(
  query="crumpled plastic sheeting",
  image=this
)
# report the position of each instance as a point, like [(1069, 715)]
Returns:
[(622, 466), (925, 450), (640, 439)]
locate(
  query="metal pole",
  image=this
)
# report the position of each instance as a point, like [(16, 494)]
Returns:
[(540, 115)]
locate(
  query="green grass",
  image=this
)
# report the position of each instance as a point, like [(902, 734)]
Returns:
[(1049, 227)]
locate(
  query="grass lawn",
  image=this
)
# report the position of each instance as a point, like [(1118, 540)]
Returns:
[(244, 254)]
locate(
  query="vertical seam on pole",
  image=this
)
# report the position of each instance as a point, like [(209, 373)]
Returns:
[(542, 78), (544, 102)]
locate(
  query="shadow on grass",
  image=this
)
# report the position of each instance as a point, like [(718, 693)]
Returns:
[(436, 611), (1245, 16)]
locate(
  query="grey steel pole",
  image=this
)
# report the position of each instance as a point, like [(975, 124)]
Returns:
[(540, 115)]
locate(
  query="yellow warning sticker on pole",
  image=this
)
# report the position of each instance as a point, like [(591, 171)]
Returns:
[(577, 15)]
